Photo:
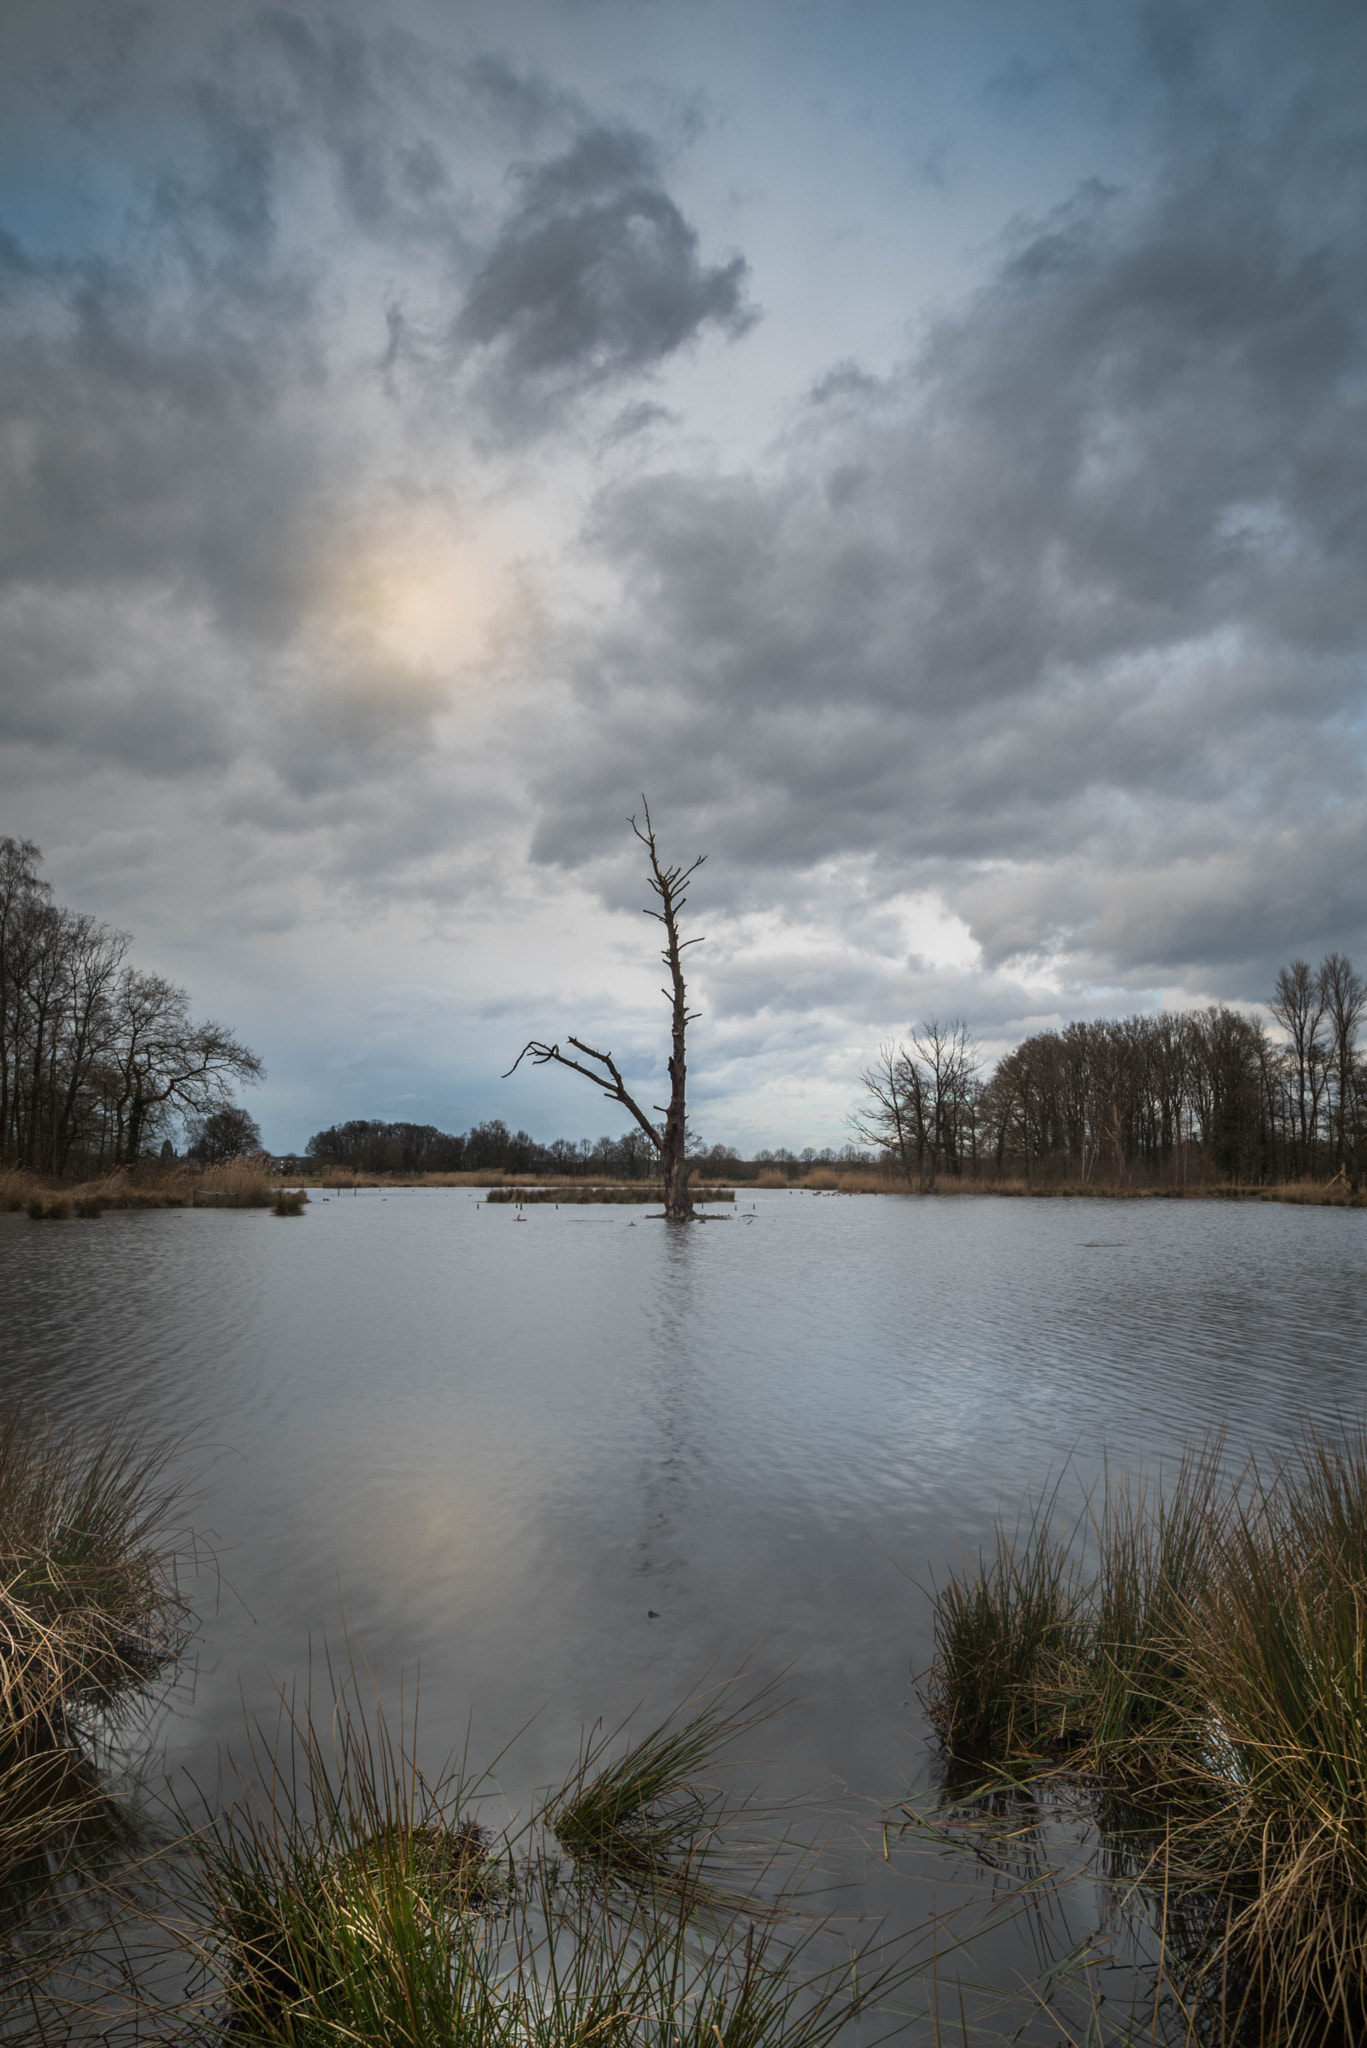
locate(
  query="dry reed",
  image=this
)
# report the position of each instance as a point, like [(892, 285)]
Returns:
[(247, 1183)]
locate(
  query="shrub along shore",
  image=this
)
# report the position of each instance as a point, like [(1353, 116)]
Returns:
[(91, 1619)]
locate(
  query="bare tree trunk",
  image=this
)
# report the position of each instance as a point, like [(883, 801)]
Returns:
[(670, 886)]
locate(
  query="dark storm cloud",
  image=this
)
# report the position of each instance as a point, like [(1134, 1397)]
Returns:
[(1062, 618), (1077, 595), (191, 405), (594, 278)]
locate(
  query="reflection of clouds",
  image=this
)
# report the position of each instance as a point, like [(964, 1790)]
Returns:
[(413, 1509)]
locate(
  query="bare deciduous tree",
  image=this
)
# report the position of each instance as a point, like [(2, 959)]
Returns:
[(919, 1104), (1298, 1006), (670, 886), (1343, 994), (167, 1064), (887, 1119), (95, 1057)]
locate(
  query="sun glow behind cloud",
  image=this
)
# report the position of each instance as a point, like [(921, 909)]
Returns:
[(410, 601)]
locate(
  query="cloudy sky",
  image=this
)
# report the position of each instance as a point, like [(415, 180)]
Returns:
[(922, 447)]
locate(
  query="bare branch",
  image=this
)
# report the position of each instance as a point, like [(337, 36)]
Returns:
[(612, 1085)]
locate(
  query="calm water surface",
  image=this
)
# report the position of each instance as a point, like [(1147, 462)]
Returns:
[(570, 1465)]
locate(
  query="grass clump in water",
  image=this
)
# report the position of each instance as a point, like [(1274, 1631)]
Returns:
[(87, 1569), (1011, 1645), (353, 1902), (1210, 1675), (651, 1816), (1278, 1657), (289, 1202), (1158, 1559), (90, 1614), (339, 1913)]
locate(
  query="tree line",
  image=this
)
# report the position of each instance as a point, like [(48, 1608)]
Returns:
[(99, 1060), (1172, 1097), (370, 1145)]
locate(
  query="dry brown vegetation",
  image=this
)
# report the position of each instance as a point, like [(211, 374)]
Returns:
[(235, 1184), (191, 1184), (1321, 1194), (629, 1194)]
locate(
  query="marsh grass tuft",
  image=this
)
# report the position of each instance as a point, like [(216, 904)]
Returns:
[(1208, 1680), (87, 1565), (1011, 1647), (90, 1616), (653, 1814), (289, 1202), (1158, 1558), (352, 1901)]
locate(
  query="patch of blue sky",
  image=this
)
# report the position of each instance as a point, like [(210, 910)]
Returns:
[(63, 197)]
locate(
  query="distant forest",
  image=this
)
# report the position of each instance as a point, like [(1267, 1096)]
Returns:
[(363, 1146), (1171, 1098)]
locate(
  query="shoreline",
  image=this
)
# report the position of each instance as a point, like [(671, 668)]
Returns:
[(256, 1184)]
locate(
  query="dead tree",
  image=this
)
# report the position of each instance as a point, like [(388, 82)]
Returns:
[(671, 890)]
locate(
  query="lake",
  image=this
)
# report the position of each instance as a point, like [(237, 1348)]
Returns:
[(568, 1466)]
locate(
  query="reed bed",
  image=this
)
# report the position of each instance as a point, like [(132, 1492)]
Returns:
[(235, 1184), (1205, 1676)]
